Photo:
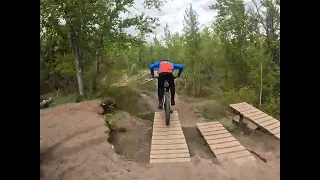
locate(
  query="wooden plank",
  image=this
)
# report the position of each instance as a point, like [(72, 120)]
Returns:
[(210, 126), (221, 140), (207, 123), (218, 136), (250, 111), (155, 133), (161, 137), (245, 108), (262, 119), (169, 151), (162, 112), (163, 118), (169, 160), (272, 126), (266, 123), (238, 103), (161, 129), (164, 122), (224, 145), (169, 156), (165, 126), (239, 106), (253, 113), (234, 154), (275, 131), (228, 150), (253, 118), (168, 141), (211, 129), (171, 146), (258, 117), (171, 117), (215, 132)]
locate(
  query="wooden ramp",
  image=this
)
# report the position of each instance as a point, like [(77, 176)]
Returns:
[(168, 142), (222, 143), (257, 117)]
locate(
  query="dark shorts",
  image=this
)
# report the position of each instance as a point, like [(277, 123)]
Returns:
[(166, 76)]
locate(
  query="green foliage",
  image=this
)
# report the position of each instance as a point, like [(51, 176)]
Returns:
[(73, 98), (108, 121), (86, 31), (244, 94), (272, 106), (236, 59), (213, 111), (65, 65)]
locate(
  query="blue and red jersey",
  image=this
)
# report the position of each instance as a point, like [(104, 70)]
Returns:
[(166, 67)]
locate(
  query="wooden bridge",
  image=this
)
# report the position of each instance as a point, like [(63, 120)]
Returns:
[(257, 117), (168, 142)]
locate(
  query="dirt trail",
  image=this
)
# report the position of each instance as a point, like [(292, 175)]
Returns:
[(74, 146)]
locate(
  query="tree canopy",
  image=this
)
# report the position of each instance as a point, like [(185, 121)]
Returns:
[(237, 56)]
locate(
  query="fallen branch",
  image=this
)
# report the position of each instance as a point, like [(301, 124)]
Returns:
[(45, 103)]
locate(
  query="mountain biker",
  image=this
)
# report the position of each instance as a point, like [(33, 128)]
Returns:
[(165, 71)]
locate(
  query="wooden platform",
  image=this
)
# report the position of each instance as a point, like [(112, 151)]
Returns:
[(168, 142), (258, 117), (222, 143)]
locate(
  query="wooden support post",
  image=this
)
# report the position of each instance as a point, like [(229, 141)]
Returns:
[(240, 119)]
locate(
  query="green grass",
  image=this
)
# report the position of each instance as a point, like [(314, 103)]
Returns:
[(213, 111), (73, 98)]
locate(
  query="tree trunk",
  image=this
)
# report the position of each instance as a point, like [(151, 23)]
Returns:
[(95, 78), (76, 52), (260, 84)]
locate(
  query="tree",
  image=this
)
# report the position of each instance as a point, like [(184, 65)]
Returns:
[(192, 35), (93, 22)]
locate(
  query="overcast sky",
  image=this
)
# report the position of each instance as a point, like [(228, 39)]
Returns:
[(173, 12)]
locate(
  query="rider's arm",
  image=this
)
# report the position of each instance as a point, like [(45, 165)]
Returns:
[(155, 65), (178, 66)]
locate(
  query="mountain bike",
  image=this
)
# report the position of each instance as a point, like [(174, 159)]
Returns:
[(166, 105)]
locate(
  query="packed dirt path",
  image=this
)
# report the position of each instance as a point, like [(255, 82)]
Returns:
[(73, 146)]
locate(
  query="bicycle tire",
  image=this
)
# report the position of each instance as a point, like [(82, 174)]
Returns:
[(167, 107)]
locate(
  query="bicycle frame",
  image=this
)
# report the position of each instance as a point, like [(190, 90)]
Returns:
[(166, 89)]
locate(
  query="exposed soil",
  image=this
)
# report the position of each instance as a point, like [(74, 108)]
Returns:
[(196, 144), (74, 145), (134, 144)]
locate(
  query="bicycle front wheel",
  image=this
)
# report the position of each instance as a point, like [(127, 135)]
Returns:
[(167, 107)]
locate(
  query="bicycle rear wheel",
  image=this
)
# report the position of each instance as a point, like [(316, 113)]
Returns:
[(167, 107)]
